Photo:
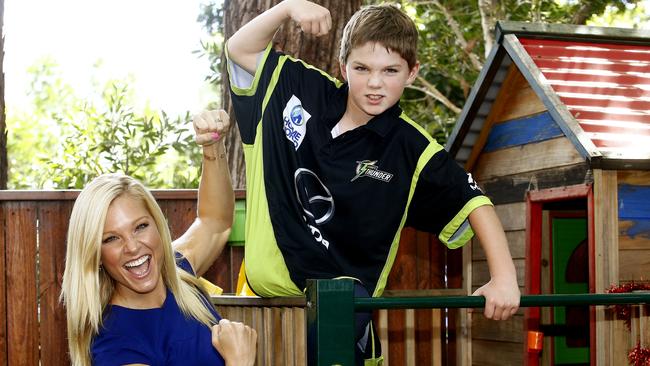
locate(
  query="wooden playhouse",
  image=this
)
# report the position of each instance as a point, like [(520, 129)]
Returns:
[(557, 132)]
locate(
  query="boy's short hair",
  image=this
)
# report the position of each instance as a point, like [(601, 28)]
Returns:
[(385, 24)]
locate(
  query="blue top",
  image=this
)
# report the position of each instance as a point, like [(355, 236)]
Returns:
[(160, 336)]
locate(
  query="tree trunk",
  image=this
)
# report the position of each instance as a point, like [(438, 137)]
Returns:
[(321, 52), (3, 128), (584, 12)]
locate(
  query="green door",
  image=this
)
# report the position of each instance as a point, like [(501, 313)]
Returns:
[(570, 274)]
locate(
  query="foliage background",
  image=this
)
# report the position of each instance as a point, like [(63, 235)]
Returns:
[(87, 135)]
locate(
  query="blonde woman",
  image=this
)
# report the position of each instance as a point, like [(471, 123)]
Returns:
[(131, 294)]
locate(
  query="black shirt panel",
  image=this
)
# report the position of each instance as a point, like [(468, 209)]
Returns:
[(372, 208), (246, 116), (444, 187), (293, 175)]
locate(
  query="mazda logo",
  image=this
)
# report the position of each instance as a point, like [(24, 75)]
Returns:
[(314, 197)]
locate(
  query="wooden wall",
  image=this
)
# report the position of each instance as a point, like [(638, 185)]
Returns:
[(519, 150)]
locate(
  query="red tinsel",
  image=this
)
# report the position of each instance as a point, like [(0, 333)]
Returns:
[(624, 311), (639, 356)]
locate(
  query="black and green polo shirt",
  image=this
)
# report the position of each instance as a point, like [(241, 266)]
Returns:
[(323, 207)]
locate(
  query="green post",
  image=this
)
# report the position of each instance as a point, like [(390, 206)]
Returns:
[(330, 322)]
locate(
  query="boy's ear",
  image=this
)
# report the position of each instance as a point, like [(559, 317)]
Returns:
[(344, 73), (413, 73)]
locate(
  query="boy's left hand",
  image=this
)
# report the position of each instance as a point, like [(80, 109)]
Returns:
[(501, 298)]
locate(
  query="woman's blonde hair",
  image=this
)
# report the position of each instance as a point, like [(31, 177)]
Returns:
[(87, 289)]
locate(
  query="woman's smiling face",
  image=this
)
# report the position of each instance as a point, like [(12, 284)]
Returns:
[(132, 254)]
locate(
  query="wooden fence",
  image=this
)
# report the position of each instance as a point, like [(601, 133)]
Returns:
[(33, 226)]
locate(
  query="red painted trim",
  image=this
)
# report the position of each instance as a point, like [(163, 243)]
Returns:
[(559, 194), (535, 201), (591, 242), (533, 270)]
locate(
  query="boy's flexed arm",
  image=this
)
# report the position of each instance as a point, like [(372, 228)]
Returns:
[(245, 45), (502, 292)]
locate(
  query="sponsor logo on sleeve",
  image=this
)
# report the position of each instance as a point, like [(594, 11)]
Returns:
[(472, 183), (295, 119)]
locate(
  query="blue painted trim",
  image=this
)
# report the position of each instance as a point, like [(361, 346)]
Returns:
[(633, 202), (522, 131), (636, 227)]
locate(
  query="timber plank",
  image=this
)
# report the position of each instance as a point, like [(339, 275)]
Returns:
[(527, 158), (300, 337), (495, 111), (409, 337), (22, 311), (606, 256), (236, 259), (634, 234), (221, 273), (381, 317), (510, 330), (513, 188), (493, 353), (633, 201), (288, 327), (278, 339), (522, 131), (180, 215), (268, 337), (258, 324), (437, 324), (396, 337), (428, 254), (424, 329), (512, 216), (523, 102), (481, 274), (634, 177), (3, 288), (634, 265), (403, 276), (622, 342), (53, 220)]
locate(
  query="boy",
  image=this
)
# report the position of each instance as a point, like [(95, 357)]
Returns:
[(336, 170)]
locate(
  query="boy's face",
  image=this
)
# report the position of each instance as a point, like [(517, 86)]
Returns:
[(376, 78)]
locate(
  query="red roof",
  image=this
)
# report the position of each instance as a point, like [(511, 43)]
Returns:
[(605, 86)]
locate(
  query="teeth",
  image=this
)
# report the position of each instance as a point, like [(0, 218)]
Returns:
[(138, 261)]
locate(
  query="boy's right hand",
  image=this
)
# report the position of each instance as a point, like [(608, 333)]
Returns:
[(313, 18)]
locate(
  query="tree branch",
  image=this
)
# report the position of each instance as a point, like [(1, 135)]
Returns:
[(460, 38), (488, 22), (431, 90)]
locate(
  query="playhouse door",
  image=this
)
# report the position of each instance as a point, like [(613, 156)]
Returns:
[(570, 274)]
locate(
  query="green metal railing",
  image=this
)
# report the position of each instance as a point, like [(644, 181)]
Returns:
[(331, 305)]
